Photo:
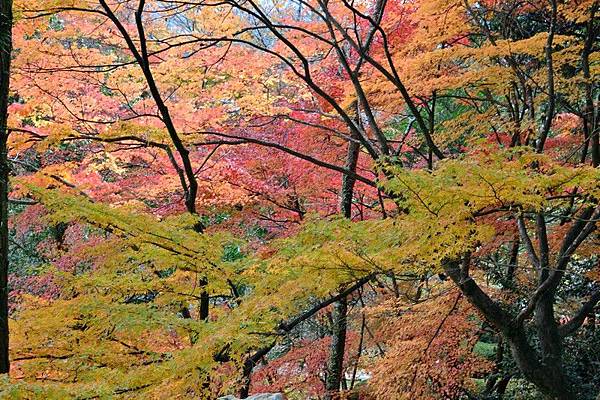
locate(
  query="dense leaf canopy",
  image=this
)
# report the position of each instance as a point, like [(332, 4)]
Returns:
[(376, 199)]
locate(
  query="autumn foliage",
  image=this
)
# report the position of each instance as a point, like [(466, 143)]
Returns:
[(328, 199)]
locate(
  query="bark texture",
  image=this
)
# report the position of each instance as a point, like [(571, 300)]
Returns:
[(335, 363), (5, 55)]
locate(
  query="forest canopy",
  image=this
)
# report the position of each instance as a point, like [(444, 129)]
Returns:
[(326, 199)]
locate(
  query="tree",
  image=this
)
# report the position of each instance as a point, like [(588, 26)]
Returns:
[(551, 258), (5, 58), (171, 155)]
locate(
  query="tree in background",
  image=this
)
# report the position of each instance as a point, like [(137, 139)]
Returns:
[(5, 58)]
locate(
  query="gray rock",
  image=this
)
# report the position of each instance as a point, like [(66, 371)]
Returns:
[(262, 396), (267, 396)]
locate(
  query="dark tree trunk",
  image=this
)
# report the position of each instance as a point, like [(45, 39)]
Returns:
[(590, 122), (548, 379), (348, 182), (4, 363), (286, 326), (335, 364), (249, 365), (338, 339), (204, 305), (542, 368), (501, 386), (513, 262), (5, 55)]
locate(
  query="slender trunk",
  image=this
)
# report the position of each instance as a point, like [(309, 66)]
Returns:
[(550, 81), (335, 364), (5, 55), (249, 365), (348, 182), (501, 386), (589, 125), (363, 325), (338, 339), (514, 259), (204, 305)]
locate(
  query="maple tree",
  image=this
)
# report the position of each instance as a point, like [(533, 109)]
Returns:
[(217, 197)]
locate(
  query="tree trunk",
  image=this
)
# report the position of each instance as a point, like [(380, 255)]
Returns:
[(514, 260), (204, 303), (589, 114), (249, 365), (348, 182), (335, 364), (5, 55), (550, 381), (501, 386), (338, 339)]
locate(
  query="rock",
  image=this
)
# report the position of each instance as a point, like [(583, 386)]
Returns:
[(267, 396), (262, 396)]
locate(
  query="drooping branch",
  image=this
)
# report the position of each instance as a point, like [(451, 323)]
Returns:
[(142, 58)]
